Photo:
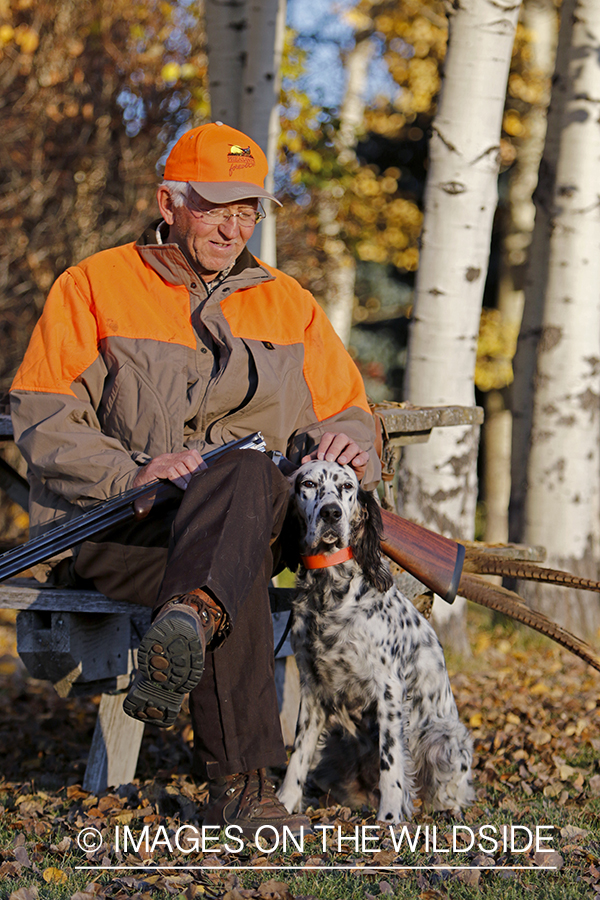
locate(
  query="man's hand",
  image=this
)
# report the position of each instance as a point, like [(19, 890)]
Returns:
[(175, 467), (342, 449)]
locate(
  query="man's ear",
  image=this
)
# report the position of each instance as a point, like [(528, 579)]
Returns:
[(165, 204)]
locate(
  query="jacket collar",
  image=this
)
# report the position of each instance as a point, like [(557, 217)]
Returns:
[(171, 264)]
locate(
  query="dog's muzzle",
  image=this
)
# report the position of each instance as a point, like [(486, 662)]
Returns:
[(329, 525)]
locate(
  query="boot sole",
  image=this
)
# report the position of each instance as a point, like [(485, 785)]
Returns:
[(171, 663)]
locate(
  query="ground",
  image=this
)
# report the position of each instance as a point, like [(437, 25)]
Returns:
[(533, 711)]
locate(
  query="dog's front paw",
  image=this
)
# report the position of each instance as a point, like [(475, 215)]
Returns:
[(291, 796), (394, 811)]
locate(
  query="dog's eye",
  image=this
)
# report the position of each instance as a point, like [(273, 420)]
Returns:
[(348, 486), (308, 484)]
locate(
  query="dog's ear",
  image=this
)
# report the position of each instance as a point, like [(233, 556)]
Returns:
[(365, 543), (290, 538)]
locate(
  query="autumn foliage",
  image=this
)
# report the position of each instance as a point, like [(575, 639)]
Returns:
[(91, 92)]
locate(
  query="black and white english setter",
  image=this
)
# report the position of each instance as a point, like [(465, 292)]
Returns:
[(358, 640)]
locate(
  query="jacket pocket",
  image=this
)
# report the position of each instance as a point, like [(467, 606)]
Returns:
[(135, 413)]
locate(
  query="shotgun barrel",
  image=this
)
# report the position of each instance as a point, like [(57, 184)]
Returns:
[(435, 560), (134, 503)]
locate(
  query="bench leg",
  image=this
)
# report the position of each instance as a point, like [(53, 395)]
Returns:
[(287, 682), (115, 746)]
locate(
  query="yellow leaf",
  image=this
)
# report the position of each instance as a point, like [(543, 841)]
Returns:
[(54, 876), (512, 123), (6, 33), (357, 19), (124, 818), (188, 70), (170, 72), (476, 720), (28, 40)]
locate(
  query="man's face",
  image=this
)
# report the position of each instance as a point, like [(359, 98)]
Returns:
[(210, 248)]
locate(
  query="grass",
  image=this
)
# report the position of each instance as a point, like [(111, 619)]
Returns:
[(577, 840)]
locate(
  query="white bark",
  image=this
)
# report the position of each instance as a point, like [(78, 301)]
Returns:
[(353, 105), (226, 30), (496, 443), (544, 128), (260, 102), (540, 18), (562, 510), (245, 43), (439, 479), (340, 274)]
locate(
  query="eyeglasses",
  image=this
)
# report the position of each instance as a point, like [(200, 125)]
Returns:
[(219, 215)]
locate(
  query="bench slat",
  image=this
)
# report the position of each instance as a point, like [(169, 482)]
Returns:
[(22, 594)]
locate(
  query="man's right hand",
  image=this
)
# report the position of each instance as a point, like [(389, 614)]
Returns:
[(175, 467)]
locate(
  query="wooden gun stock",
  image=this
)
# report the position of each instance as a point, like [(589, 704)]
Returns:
[(435, 560), (157, 492)]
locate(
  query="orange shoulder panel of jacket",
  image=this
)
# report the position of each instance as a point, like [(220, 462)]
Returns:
[(282, 312), (111, 293)]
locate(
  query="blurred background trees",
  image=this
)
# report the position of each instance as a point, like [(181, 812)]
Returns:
[(94, 92), (91, 93)]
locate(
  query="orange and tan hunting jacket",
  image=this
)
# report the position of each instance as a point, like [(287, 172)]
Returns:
[(131, 359)]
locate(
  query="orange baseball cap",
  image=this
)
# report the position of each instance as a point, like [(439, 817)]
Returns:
[(220, 163)]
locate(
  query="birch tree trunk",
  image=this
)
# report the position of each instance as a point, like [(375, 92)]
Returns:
[(438, 479), (340, 274), (521, 401), (245, 43), (540, 19), (562, 508), (260, 103), (226, 32)]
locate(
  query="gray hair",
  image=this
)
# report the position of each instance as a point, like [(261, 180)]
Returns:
[(180, 192)]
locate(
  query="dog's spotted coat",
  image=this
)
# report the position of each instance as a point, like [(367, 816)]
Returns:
[(357, 639)]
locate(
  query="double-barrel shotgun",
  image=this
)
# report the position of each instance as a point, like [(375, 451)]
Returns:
[(436, 561), (135, 503)]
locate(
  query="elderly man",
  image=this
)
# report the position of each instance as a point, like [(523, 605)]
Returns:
[(145, 357)]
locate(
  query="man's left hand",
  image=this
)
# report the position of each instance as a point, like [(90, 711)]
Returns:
[(342, 449)]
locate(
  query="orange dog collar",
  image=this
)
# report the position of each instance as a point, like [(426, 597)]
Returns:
[(323, 560)]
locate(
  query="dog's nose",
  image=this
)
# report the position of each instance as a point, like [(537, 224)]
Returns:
[(330, 513)]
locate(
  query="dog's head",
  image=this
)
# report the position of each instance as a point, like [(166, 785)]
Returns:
[(332, 511), (325, 501)]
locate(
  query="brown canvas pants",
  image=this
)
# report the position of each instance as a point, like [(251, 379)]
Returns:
[(222, 538)]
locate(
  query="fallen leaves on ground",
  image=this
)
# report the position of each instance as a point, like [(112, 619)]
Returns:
[(534, 719)]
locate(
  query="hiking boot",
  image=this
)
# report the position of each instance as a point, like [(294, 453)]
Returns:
[(171, 657), (249, 801)]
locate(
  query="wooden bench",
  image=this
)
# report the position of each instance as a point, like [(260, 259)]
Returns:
[(87, 645)]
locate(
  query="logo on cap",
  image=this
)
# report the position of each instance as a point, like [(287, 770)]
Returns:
[(239, 158)]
